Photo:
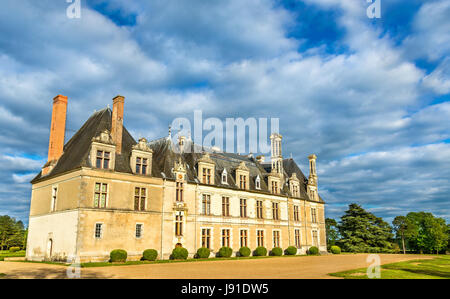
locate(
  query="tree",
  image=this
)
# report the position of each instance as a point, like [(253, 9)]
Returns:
[(426, 233), (400, 224), (12, 233), (362, 231), (331, 231)]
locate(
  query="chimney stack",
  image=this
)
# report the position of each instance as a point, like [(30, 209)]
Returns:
[(58, 128), (117, 122)]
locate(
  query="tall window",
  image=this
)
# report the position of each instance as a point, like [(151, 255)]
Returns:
[(313, 215), (260, 237), (297, 238), (243, 181), (98, 230), (138, 231), (258, 183), (226, 237), (295, 191), (141, 165), (296, 214), (243, 238), (275, 211), (206, 237), (243, 207), (206, 204), (103, 158), (259, 209), (100, 195), (178, 225), (276, 238), (206, 176), (225, 206), (140, 195), (274, 187), (54, 198), (315, 238), (179, 194), (224, 177)]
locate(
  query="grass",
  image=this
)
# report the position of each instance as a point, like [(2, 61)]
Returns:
[(7, 253), (436, 268)]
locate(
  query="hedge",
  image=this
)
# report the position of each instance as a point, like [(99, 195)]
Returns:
[(203, 253), (313, 250), (14, 249), (335, 249), (149, 255), (276, 251), (291, 250), (260, 251), (244, 251), (225, 251), (179, 253), (118, 255)]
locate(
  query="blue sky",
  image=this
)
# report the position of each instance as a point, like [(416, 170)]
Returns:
[(369, 96)]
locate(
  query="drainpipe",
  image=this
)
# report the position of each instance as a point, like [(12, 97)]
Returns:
[(162, 216)]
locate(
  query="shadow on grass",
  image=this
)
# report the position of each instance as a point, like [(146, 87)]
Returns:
[(49, 274)]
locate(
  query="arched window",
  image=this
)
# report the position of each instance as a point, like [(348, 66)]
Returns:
[(224, 176), (258, 182)]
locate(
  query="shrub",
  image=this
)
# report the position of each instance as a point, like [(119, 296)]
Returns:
[(260, 251), (291, 250), (225, 251), (14, 249), (179, 253), (276, 251), (335, 249), (203, 253), (313, 250), (244, 251), (118, 255), (150, 255)]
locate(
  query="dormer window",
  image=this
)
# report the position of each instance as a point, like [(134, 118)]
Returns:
[(206, 169), (206, 175), (274, 187), (141, 165), (103, 158), (243, 181), (242, 176), (258, 183), (224, 177)]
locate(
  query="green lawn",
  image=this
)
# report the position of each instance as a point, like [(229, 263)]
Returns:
[(436, 268), (7, 253)]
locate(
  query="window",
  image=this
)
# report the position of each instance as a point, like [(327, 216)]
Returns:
[(243, 181), (274, 187), (179, 194), (141, 165), (206, 204), (224, 177), (178, 225), (295, 191), (276, 238), (260, 237), (243, 207), (101, 193), (259, 209), (206, 176), (315, 237), (226, 237), (258, 183), (54, 197), (243, 238), (297, 238), (296, 213), (140, 195), (98, 230), (103, 158), (225, 206), (206, 237), (275, 211), (138, 231), (313, 215)]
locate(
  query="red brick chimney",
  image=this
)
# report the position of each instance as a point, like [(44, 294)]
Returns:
[(57, 132), (117, 122)]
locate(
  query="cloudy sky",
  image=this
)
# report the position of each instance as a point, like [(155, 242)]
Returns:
[(371, 97)]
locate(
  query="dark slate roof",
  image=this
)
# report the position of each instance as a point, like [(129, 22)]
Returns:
[(76, 155), (76, 150)]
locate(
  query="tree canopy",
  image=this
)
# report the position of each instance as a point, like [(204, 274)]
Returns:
[(12, 233)]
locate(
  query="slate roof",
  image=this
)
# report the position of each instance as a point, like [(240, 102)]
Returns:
[(76, 155)]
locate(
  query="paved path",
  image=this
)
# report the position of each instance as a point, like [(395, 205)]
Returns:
[(288, 267)]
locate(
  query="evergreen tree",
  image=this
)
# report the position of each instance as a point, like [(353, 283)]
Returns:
[(426, 233), (331, 231)]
